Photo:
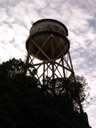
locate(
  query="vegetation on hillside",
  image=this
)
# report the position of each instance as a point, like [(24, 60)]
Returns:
[(25, 103)]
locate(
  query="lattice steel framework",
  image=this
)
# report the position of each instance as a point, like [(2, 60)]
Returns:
[(52, 68)]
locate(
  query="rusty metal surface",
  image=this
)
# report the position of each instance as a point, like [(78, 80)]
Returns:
[(47, 36), (61, 46), (48, 25)]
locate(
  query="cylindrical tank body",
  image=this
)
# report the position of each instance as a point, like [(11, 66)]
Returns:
[(49, 35)]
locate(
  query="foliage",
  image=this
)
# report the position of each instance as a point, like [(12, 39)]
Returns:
[(73, 90), (79, 92), (23, 104)]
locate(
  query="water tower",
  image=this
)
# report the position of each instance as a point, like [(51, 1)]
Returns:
[(48, 50)]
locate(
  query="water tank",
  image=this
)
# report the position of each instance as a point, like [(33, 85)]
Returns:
[(51, 37)]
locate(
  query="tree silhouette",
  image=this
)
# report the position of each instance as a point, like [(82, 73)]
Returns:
[(71, 90), (25, 103)]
